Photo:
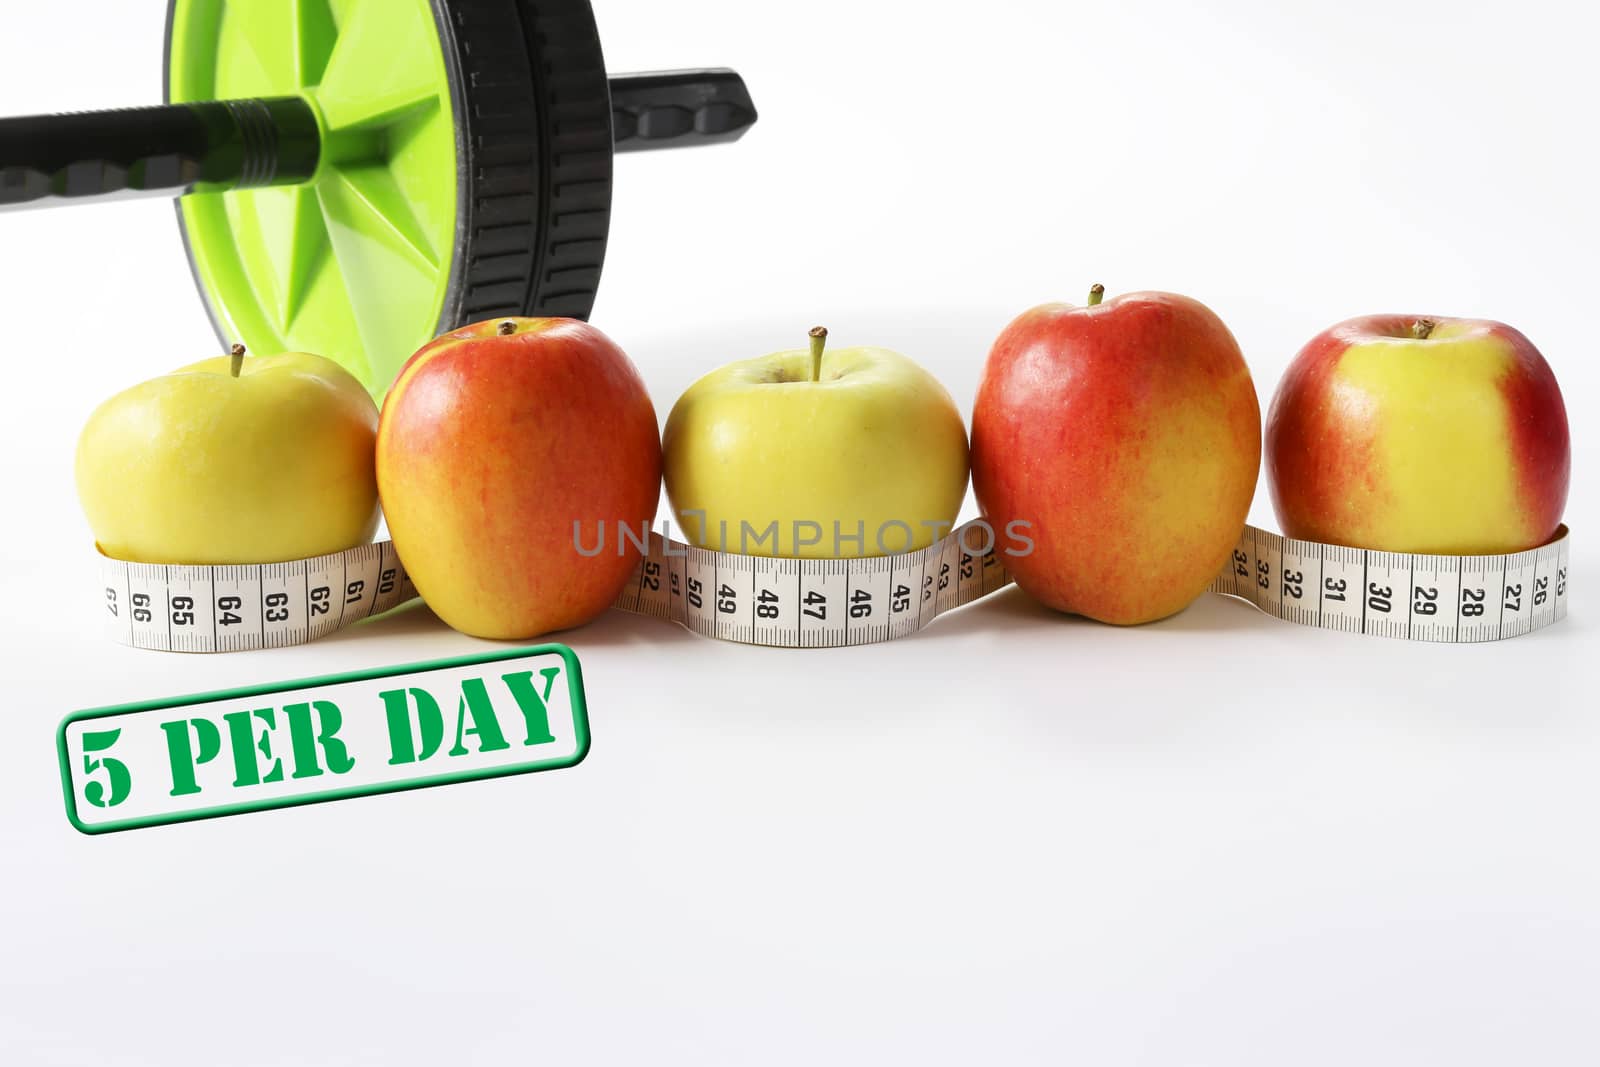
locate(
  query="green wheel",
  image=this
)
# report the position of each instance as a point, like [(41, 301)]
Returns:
[(465, 170), (356, 177)]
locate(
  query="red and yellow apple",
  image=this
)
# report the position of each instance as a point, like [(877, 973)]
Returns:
[(1405, 433), (1127, 435), (497, 443)]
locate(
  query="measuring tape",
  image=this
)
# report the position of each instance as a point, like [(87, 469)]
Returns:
[(795, 603), (825, 603), (1397, 594), (249, 606)]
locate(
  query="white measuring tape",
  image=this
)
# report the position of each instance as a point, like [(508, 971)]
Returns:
[(794, 603), (1396, 594), (249, 606)]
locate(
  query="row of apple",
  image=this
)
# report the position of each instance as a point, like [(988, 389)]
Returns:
[(1124, 436)]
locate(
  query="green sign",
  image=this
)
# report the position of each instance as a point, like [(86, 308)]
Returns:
[(332, 738)]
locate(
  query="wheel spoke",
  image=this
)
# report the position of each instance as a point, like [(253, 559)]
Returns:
[(415, 143), (263, 55), (372, 195), (295, 241), (381, 67), (328, 313), (391, 288), (315, 34)]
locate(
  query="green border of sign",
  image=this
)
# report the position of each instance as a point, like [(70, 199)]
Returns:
[(580, 718)]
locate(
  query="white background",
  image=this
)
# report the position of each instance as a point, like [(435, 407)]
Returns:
[(1014, 838)]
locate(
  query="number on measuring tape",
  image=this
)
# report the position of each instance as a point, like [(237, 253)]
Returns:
[(870, 604), (676, 607), (823, 588), (949, 577), (773, 588), (1387, 596), (700, 576), (325, 585), (905, 594), (1344, 589), (975, 553), (236, 627), (1517, 594), (1478, 599), (1560, 610), (191, 614), (1266, 559), (1300, 582), (733, 596), (284, 603), (1239, 572), (1546, 567), (1435, 594), (148, 593)]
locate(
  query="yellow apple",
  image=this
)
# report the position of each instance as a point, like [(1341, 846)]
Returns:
[(858, 452), (233, 460)]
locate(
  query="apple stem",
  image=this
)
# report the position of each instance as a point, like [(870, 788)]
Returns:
[(236, 364), (1097, 293), (506, 328), (1422, 329), (819, 340)]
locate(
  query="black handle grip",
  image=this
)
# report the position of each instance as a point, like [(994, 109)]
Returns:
[(227, 144), (679, 108)]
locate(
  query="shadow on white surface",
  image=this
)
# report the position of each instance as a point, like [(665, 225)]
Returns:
[(1012, 610), (415, 619)]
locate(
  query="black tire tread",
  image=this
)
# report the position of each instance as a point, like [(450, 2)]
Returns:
[(530, 75)]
